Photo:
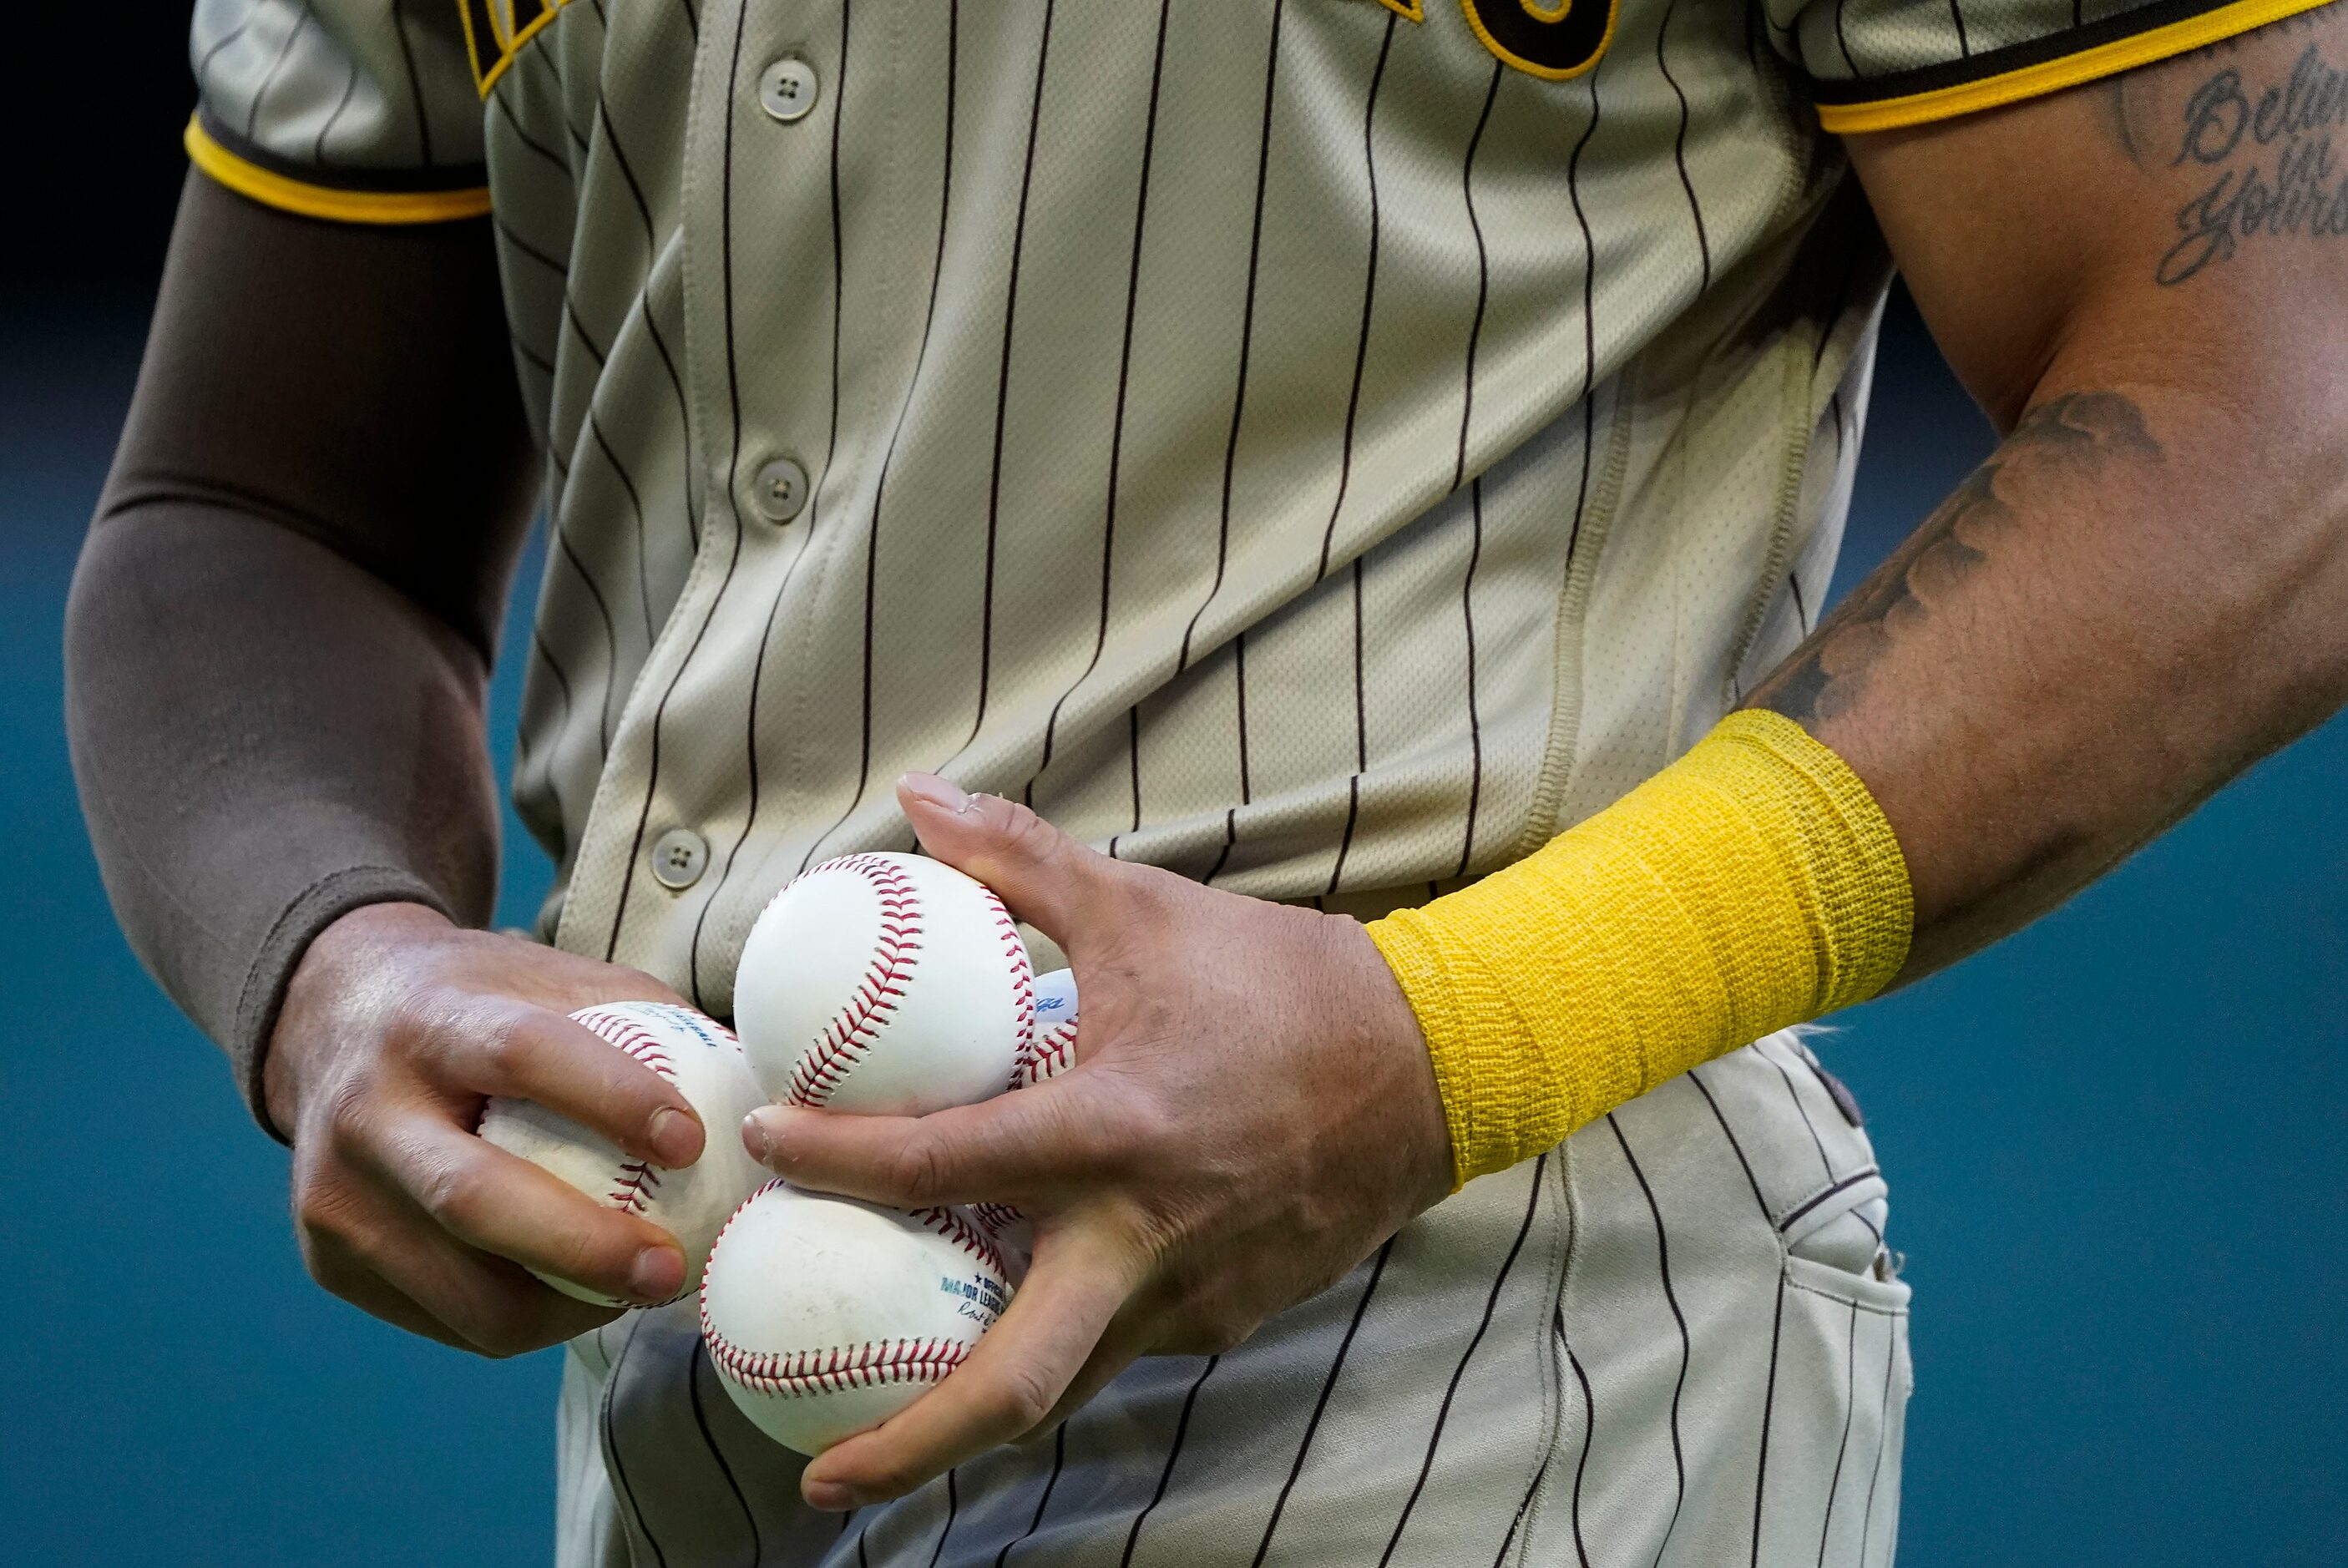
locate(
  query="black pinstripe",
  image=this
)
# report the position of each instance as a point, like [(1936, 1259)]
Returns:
[(570, 315), (627, 173), (204, 62), (1793, 1094), (292, 34), (521, 134), (1516, 1520), (1173, 1454), (1957, 15), (1842, 40), (635, 509), (561, 268), (694, 1362), (1369, 301), (1768, 1407), (610, 640), (1589, 1434), (1849, 1403), (896, 430), (612, 1444), (1696, 1077), (415, 83), (1345, 467), (1451, 1390), (1672, 1300), (1003, 376), (1321, 1404), (1882, 1434), (561, 722), (1459, 468), (1059, 1461), (1123, 385), (544, 365), (350, 86), (1679, 147), (684, 413), (1247, 337)]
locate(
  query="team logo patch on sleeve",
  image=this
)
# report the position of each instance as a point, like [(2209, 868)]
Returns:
[(1555, 42), (495, 31)]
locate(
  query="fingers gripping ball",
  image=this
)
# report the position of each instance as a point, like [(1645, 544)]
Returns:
[(702, 1058), (886, 984), (825, 1317)]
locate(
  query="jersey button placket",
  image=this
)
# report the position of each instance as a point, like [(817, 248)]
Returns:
[(779, 490)]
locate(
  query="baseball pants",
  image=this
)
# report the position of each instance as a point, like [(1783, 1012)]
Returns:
[(1677, 1339)]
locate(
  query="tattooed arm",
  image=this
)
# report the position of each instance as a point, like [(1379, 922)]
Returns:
[(2146, 588)]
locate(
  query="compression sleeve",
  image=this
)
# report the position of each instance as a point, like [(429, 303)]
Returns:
[(1752, 884), (279, 631)]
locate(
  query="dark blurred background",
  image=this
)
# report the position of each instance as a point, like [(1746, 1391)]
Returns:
[(2115, 1142)]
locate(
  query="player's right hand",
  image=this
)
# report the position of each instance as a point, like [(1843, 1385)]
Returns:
[(397, 1027)]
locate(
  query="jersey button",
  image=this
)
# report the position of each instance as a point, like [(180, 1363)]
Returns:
[(781, 490), (679, 857), (787, 89)]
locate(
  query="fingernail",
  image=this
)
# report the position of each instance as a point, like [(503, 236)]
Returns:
[(943, 793), (656, 1274), (827, 1496), (756, 1138), (676, 1137)]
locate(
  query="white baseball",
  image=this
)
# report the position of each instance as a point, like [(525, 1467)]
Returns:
[(1052, 1044), (887, 984), (825, 1317), (702, 1058)]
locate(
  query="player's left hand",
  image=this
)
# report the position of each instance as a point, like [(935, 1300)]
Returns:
[(1251, 1113)]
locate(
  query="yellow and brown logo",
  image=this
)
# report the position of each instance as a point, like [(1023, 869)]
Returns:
[(496, 29), (1556, 42)]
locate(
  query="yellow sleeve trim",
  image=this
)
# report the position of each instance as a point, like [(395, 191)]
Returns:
[(271, 189), (2053, 76), (1752, 884)]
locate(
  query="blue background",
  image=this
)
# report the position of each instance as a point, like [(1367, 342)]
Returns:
[(2116, 1147)]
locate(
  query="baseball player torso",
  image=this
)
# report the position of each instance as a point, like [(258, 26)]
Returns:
[(1287, 442), (1323, 447)]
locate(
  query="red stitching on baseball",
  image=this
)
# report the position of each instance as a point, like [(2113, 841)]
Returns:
[(795, 1373), (636, 1183), (996, 1216), (1047, 1055), (971, 1238), (849, 1034), (1023, 973)]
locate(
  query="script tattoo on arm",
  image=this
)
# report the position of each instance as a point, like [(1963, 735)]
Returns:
[(2079, 431), (2257, 143)]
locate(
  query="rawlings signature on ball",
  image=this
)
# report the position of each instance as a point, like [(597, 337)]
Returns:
[(825, 1317), (702, 1058), (886, 984)]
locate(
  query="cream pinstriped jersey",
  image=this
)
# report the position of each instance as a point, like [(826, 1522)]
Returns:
[(1320, 446)]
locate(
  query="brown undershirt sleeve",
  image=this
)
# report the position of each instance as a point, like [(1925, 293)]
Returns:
[(280, 629)]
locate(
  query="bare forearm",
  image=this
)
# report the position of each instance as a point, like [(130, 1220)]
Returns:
[(2139, 594)]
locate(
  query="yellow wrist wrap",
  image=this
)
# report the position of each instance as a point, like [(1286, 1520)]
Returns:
[(1752, 884)]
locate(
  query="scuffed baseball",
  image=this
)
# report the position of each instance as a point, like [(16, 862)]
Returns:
[(825, 1317), (886, 984), (703, 1059)]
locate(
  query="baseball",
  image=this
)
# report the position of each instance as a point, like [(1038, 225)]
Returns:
[(1052, 1044), (702, 1058), (887, 984), (825, 1317)]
